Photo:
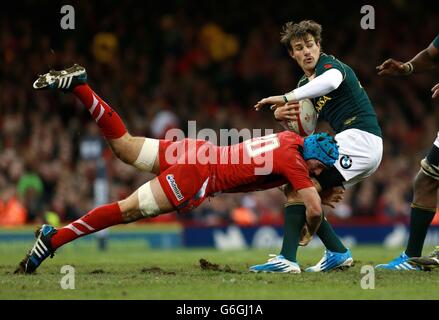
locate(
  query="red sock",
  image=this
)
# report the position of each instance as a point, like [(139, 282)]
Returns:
[(99, 218), (111, 125)]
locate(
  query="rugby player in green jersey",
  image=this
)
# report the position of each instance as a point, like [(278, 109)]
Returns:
[(426, 183), (339, 99)]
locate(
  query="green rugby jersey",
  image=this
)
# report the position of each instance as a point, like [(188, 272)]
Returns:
[(436, 41), (348, 106)]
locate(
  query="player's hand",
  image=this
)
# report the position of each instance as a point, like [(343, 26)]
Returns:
[(289, 111), (435, 91), (305, 236), (273, 101), (332, 196), (391, 67)]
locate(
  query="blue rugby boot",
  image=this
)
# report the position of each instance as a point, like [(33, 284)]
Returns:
[(277, 263), (333, 260), (399, 263), (40, 251), (64, 80)]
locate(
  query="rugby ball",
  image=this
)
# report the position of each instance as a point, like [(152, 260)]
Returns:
[(307, 120)]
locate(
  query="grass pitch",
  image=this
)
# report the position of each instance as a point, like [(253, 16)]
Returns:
[(130, 270)]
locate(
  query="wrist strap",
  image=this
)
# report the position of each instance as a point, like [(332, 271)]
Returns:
[(290, 96), (408, 68)]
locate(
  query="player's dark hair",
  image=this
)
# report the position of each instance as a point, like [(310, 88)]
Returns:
[(300, 30)]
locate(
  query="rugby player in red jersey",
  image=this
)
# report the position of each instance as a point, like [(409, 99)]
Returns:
[(187, 171)]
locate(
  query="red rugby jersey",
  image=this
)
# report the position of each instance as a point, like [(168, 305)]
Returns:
[(260, 163)]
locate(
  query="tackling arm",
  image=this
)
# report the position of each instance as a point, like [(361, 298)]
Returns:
[(330, 195), (311, 199)]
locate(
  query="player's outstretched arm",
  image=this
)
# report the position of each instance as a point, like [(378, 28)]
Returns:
[(425, 60), (319, 86), (273, 101)]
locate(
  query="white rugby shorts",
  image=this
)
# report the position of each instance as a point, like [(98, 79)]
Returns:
[(360, 155)]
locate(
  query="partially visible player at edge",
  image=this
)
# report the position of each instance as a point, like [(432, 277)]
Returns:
[(183, 182), (426, 182), (340, 99)]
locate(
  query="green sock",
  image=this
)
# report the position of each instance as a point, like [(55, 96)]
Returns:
[(295, 218), (420, 220), (329, 238)]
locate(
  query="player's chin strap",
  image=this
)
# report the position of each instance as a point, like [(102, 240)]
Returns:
[(322, 147)]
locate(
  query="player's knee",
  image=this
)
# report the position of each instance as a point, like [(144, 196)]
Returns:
[(148, 206), (131, 216), (424, 184), (121, 148)]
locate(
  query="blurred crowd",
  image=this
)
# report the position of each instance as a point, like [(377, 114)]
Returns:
[(204, 61)]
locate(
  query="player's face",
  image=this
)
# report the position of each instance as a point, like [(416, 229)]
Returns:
[(315, 167), (306, 52)]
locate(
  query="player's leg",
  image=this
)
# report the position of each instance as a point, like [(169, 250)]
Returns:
[(423, 209), (336, 254), (295, 219), (427, 262), (422, 212), (286, 261), (425, 189), (137, 151), (148, 201), (360, 156)]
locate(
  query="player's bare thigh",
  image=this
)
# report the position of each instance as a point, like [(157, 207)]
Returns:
[(138, 151)]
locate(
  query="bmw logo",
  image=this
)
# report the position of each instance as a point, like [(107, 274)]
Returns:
[(346, 162)]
